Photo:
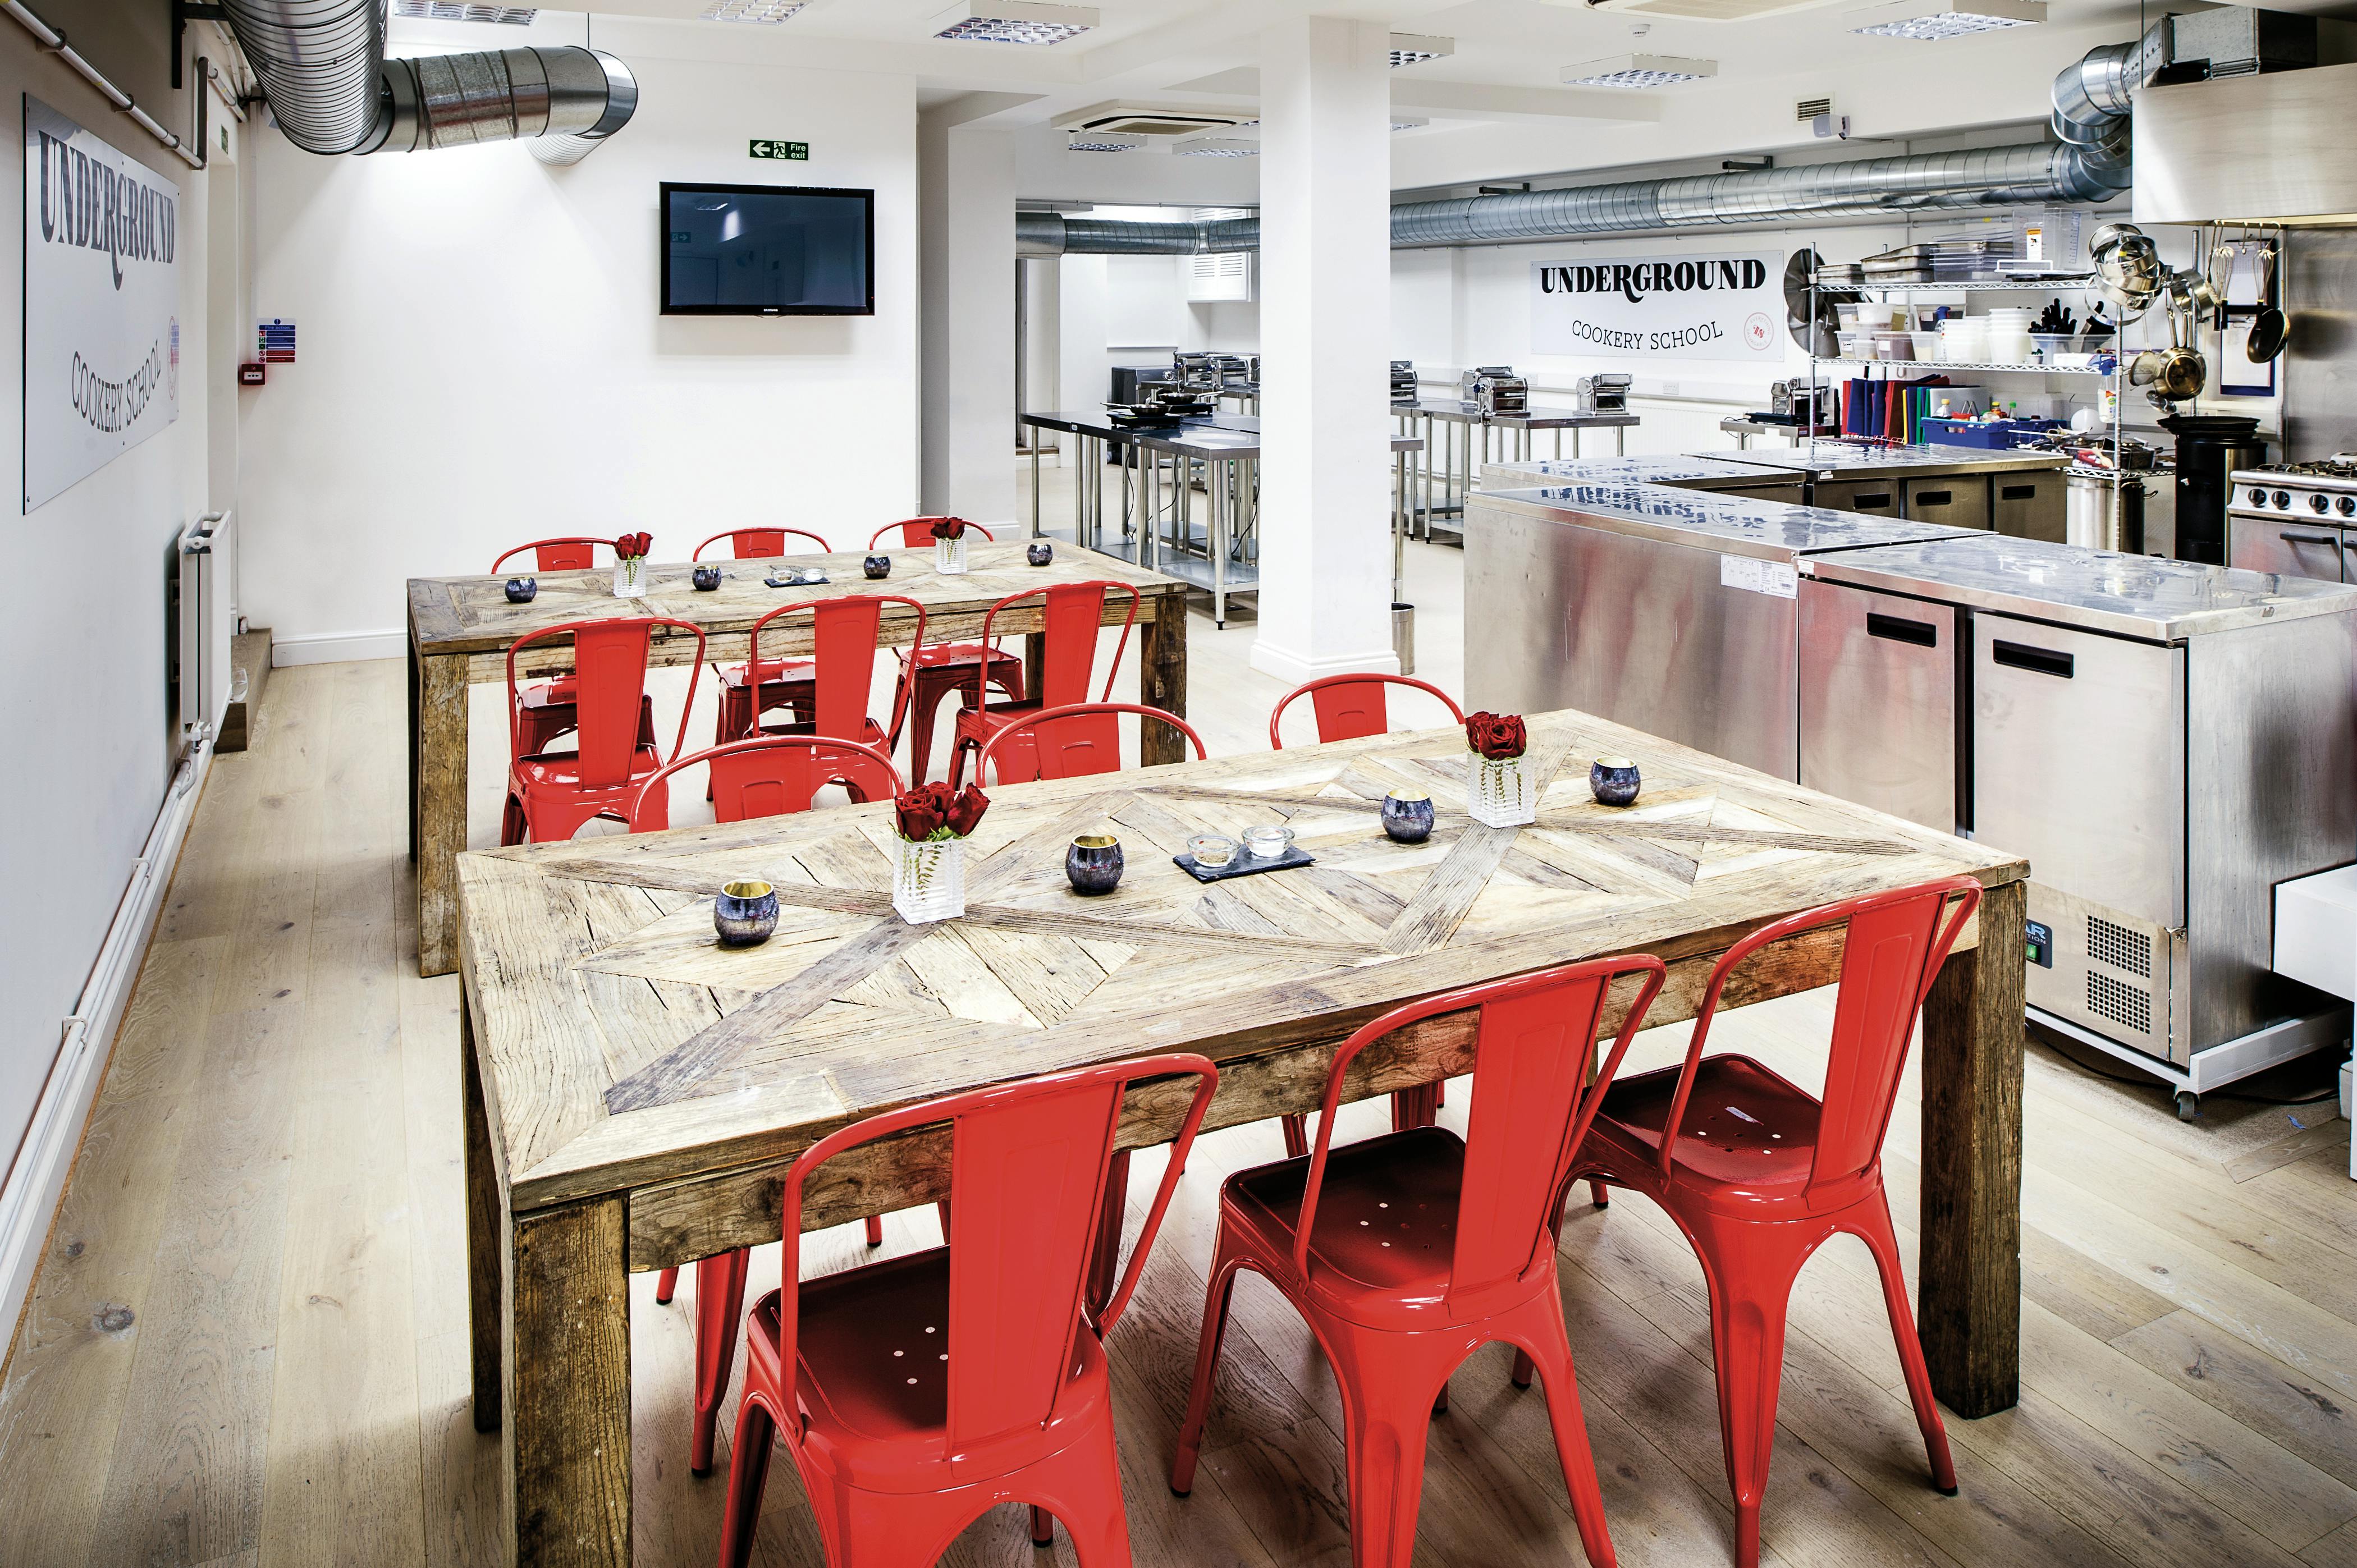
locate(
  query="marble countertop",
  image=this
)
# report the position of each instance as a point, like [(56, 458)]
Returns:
[(2132, 595)]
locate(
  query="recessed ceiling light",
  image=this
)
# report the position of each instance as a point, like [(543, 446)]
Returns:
[(1638, 70), (1013, 22), (1408, 48), (1104, 141), (1928, 21), (767, 13), (456, 11), (1216, 147)]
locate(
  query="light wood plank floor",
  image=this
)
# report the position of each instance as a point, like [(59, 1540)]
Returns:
[(248, 1344)]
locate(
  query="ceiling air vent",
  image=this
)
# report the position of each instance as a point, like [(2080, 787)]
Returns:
[(1702, 10), (1144, 120), (1809, 109), (455, 11)]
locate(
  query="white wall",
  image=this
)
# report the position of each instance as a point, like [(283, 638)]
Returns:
[(84, 697), (482, 362), (966, 181)]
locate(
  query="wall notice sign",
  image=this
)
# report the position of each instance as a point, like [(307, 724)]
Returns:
[(102, 301), (798, 152), (1661, 307), (1778, 578), (273, 341)]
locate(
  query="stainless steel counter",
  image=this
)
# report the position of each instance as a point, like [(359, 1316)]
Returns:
[(1849, 459), (2127, 596), (2022, 493), (1459, 439), (1685, 473), (1739, 525)]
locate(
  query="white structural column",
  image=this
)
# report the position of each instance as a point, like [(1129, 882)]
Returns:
[(965, 198), (1325, 237)]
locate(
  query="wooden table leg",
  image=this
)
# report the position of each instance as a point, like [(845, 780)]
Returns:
[(1035, 666), (410, 649), (1104, 1265), (440, 806), (568, 1405), (485, 1238), (1162, 680), (1968, 1302)]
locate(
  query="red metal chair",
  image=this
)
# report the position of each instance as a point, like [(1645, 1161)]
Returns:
[(1763, 1171), (1070, 615), (1070, 742), (1407, 1251), (548, 708), (550, 794), (759, 543), (1350, 706), (916, 532), (827, 691), (917, 1393), (765, 777), (557, 554)]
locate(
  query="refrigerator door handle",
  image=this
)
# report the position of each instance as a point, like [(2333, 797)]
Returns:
[(1898, 628), (2042, 660)]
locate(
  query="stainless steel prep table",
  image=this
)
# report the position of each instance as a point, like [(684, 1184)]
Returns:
[(1448, 426), (1097, 432), (1671, 609), (1965, 487), (1753, 479), (2165, 741)]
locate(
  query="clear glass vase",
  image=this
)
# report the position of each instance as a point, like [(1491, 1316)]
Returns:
[(949, 556), (929, 880), (630, 577), (1499, 794)]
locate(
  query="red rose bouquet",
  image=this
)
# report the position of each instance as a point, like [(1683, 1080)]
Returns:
[(1497, 736), (928, 865), (949, 544), (628, 551), (933, 811), (949, 528)]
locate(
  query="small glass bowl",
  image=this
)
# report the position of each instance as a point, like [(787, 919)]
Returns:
[(745, 913), (1093, 863), (1614, 781), (521, 590), (1407, 816), (704, 578), (1268, 841), (1211, 851)]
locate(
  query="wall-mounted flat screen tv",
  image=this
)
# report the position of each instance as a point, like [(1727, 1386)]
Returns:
[(768, 250)]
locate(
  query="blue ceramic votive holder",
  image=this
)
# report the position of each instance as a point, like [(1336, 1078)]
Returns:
[(1407, 816), (745, 913), (1093, 863), (521, 589), (1614, 781), (1038, 553), (705, 578), (877, 568)]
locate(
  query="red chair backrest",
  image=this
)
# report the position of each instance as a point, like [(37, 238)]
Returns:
[(1070, 742), (759, 543), (557, 554), (1896, 944), (1028, 1165), (1535, 1040), (1070, 615), (768, 776), (1350, 706), (610, 676), (916, 532), (844, 638)]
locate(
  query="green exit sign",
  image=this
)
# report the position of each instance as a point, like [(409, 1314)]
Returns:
[(798, 152)]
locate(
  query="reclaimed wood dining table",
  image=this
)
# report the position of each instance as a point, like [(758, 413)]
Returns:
[(460, 628), (634, 1092)]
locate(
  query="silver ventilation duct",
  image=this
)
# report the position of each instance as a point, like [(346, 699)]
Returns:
[(323, 68), (2089, 164)]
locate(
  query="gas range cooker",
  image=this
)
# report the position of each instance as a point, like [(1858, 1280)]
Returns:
[(2324, 489)]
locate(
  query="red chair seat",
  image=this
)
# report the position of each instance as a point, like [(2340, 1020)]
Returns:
[(1386, 1221), (939, 670), (774, 670), (872, 1381), (1746, 1127), (562, 771)]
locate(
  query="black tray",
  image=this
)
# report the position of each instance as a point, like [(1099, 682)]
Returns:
[(1244, 864)]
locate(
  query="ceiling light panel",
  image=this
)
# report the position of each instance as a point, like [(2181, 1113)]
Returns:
[(455, 11), (1013, 22), (1216, 147), (1409, 48), (1638, 71), (764, 13), (1931, 21)]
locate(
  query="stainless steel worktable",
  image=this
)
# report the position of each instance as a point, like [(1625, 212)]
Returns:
[(1097, 432), (1866, 460), (1685, 473), (1448, 426), (2019, 492)]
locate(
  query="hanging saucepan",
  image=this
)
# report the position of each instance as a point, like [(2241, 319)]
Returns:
[(2268, 327), (2170, 374), (2128, 270)]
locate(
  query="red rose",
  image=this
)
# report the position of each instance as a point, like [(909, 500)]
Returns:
[(918, 814), (1496, 735), (966, 809), (646, 543), (632, 545), (949, 528)]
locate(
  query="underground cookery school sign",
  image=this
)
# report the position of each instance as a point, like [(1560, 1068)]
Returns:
[(101, 302), (1660, 307)]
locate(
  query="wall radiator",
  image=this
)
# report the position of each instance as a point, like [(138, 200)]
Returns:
[(207, 620)]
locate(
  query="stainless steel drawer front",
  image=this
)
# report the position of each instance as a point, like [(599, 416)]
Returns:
[(1957, 500), (2079, 762), (1878, 701), (2029, 506), (1877, 498)]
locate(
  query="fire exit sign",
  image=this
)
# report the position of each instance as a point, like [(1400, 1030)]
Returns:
[(797, 151)]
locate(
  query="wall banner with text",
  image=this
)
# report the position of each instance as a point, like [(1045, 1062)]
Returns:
[(1661, 307), (102, 302)]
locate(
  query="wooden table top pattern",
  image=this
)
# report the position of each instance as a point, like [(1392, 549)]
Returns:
[(627, 1049), (472, 616)]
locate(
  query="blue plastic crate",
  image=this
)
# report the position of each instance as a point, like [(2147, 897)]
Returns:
[(1996, 435)]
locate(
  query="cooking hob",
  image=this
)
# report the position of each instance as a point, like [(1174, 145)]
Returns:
[(2324, 489)]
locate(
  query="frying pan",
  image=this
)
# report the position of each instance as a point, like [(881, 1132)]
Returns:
[(2268, 327)]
